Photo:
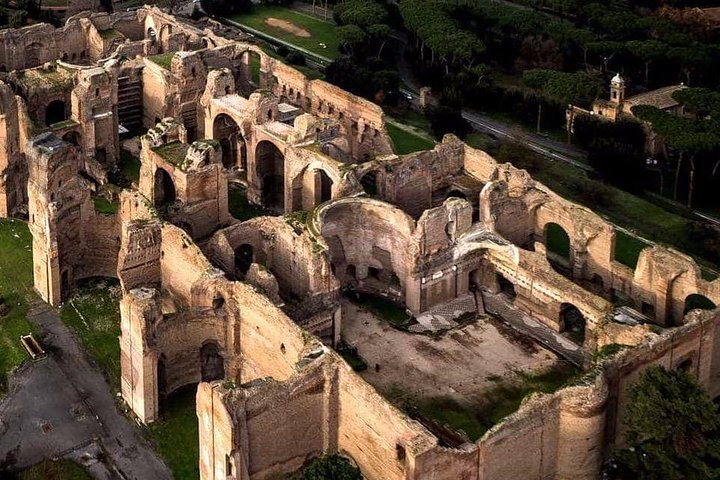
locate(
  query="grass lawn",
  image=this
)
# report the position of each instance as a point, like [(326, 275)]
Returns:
[(406, 142), (320, 31), (239, 205), (93, 313), (16, 287), (60, 470), (495, 404), (175, 436)]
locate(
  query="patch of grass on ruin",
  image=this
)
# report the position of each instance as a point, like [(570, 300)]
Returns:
[(239, 205), (59, 470), (321, 32), (162, 59), (406, 142), (175, 435), (16, 288), (130, 166), (383, 308), (351, 356), (93, 313), (628, 248), (104, 206), (173, 152), (503, 399)]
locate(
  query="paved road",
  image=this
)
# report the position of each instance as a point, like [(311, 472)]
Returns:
[(63, 407)]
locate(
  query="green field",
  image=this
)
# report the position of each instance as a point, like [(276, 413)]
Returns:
[(176, 435), (60, 470), (319, 30), (93, 313), (16, 287), (406, 142)]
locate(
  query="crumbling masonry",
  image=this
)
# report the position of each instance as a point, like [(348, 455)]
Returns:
[(240, 307)]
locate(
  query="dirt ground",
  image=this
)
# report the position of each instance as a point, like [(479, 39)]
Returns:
[(288, 27), (459, 365)]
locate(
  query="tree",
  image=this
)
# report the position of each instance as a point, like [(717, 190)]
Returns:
[(448, 120), (362, 13), (350, 36), (649, 51), (330, 467), (579, 88), (691, 138), (673, 429)]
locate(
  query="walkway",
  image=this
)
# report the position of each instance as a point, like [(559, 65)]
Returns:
[(498, 305), (63, 407)]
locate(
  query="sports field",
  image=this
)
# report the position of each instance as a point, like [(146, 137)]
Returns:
[(293, 27)]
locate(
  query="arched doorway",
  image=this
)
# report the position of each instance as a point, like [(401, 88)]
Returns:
[(326, 184), (696, 301), (369, 183), (164, 188), (456, 194), (254, 65), (506, 287), (227, 132), (212, 366), (243, 260), (572, 322), (55, 112), (557, 244), (73, 138), (270, 169)]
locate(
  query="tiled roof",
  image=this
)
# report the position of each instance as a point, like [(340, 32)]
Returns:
[(660, 98)]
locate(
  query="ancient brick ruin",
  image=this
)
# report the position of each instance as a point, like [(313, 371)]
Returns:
[(250, 310)]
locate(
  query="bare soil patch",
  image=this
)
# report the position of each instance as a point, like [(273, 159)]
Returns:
[(460, 365), (287, 27)]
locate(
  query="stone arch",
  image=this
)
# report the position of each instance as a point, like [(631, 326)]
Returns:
[(557, 245), (244, 257), (313, 185), (456, 194), (72, 137), (698, 301), (369, 182), (165, 32), (212, 364), (573, 322), (381, 265), (164, 188), (270, 172), (227, 131), (251, 66), (55, 112)]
